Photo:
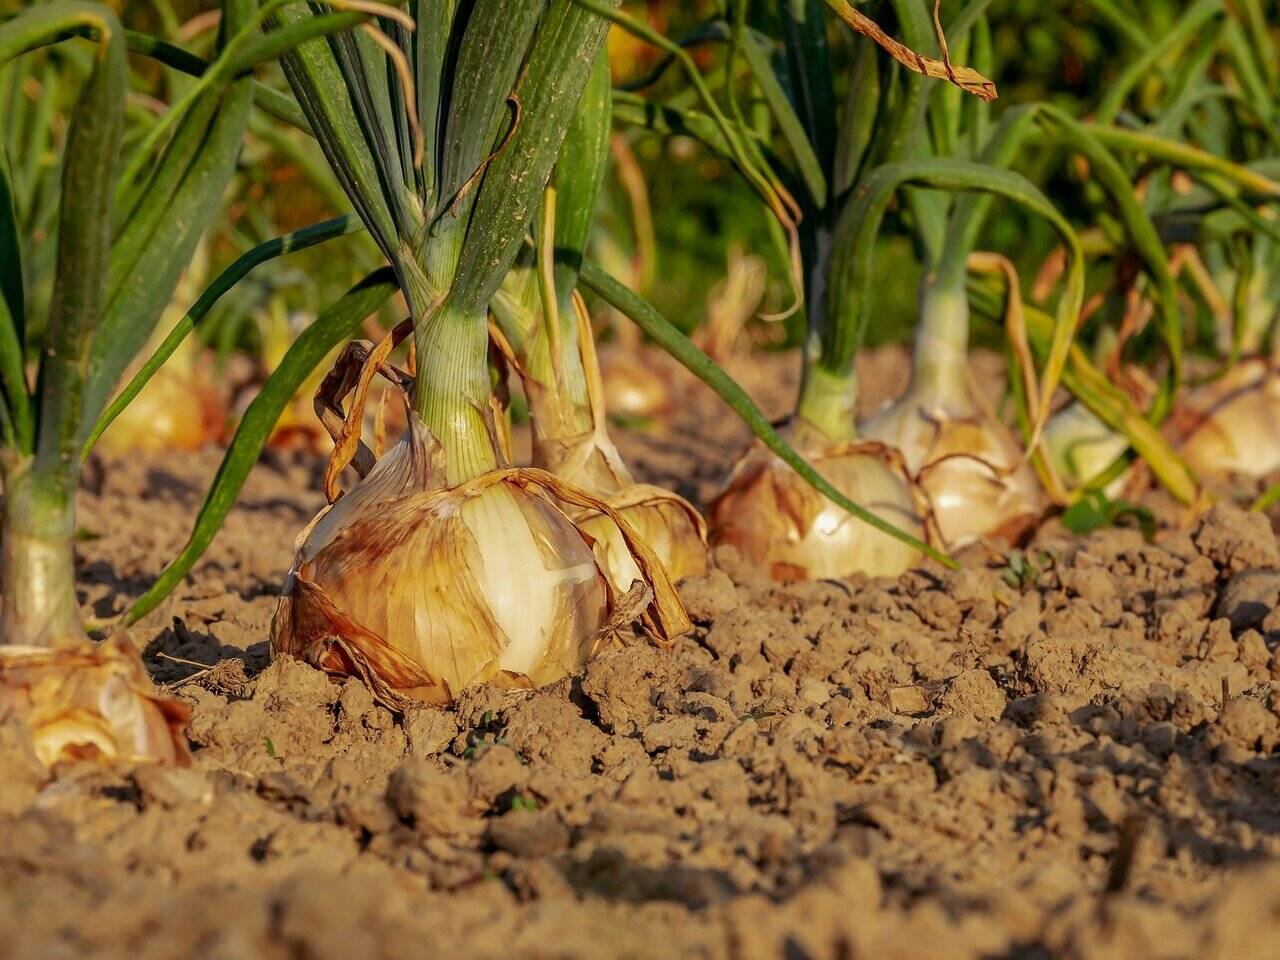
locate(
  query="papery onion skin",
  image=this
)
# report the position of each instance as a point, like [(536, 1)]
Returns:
[(971, 470), (91, 703), (669, 525), (425, 590), (777, 521), (633, 388), (1232, 425)]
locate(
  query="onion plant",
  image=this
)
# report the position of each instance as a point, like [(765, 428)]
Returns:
[(1201, 98), (966, 462), (546, 336), (1229, 104), (444, 566), (128, 221), (845, 181)]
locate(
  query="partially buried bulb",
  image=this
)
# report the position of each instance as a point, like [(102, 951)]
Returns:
[(778, 521), (91, 703), (1232, 424), (970, 467), (424, 589)]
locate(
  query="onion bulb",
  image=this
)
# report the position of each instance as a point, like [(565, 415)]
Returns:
[(1081, 447), (424, 589), (632, 387), (970, 467), (589, 460), (91, 703), (1232, 425), (667, 522), (777, 521), (179, 409)]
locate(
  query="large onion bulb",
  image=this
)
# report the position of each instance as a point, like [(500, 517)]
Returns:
[(779, 522), (970, 467), (1232, 425), (91, 703), (424, 589)]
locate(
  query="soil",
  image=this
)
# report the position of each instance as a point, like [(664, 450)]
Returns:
[(1073, 757)]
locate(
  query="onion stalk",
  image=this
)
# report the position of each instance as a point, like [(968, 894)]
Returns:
[(972, 469)]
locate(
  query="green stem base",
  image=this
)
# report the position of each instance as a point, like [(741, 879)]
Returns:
[(827, 403), (39, 606), (452, 392), (940, 357)]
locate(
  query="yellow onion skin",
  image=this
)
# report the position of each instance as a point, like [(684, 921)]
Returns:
[(632, 387), (1232, 425), (425, 590), (671, 527), (178, 409), (962, 463), (778, 521), (91, 703)]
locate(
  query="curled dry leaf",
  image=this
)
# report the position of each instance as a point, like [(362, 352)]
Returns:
[(966, 78), (423, 589), (776, 520), (91, 703)]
